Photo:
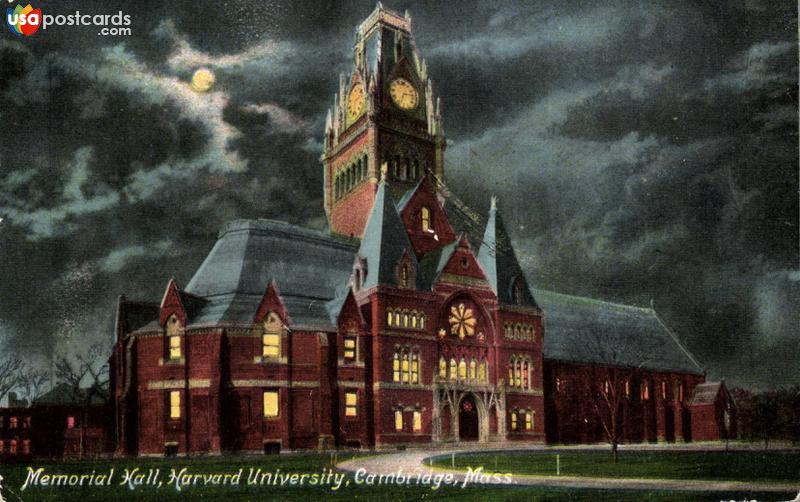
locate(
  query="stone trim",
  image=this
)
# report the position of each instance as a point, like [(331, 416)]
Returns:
[(193, 383), (273, 383)]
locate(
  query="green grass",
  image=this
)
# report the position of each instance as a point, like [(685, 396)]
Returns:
[(15, 475), (728, 466)]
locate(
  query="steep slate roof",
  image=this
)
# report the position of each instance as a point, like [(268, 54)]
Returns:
[(706, 393), (497, 257), (385, 241), (584, 330), (308, 267), (433, 262)]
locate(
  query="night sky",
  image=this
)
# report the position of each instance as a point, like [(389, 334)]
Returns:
[(640, 152)]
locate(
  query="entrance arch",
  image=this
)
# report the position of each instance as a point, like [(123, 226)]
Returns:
[(468, 422)]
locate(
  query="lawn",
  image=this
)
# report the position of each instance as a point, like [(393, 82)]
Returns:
[(719, 465), (15, 476)]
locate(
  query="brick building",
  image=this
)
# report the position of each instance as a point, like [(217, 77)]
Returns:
[(395, 327)]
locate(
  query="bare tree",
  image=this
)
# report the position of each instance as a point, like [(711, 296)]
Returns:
[(10, 368), (32, 382), (85, 377)]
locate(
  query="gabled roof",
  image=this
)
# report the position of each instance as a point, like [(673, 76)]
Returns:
[(584, 330), (385, 241), (498, 259), (64, 395), (706, 393), (431, 265)]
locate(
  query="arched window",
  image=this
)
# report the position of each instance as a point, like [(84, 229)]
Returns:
[(404, 277), (453, 369), (271, 337), (473, 369), (425, 216), (482, 373), (414, 319), (404, 169), (397, 318), (404, 367), (389, 317), (518, 374), (405, 315), (396, 367), (422, 321), (442, 368), (519, 291), (462, 370), (174, 329), (525, 375), (529, 420), (514, 420), (415, 367), (511, 373)]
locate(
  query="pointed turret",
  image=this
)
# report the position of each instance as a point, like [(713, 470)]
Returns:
[(385, 246), (498, 259)]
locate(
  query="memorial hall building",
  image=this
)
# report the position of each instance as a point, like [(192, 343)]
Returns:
[(400, 325)]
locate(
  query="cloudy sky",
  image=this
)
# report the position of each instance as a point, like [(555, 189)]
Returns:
[(640, 151)]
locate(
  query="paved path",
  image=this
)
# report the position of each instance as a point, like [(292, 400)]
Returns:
[(412, 462)]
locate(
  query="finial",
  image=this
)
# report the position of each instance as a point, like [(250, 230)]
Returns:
[(384, 170), (493, 203)]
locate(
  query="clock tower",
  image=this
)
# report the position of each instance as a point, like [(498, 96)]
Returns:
[(384, 122)]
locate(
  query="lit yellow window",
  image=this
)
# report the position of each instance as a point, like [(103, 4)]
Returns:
[(271, 345), (405, 367), (396, 367), (518, 374), (417, 421), (422, 321), (397, 318), (525, 375), (350, 404), (415, 368), (414, 320), (405, 319), (528, 421), (389, 317), (473, 369), (627, 389), (453, 369), (425, 215), (174, 329), (398, 420), (271, 403), (462, 369), (482, 376), (511, 373), (175, 404), (349, 348), (175, 347), (442, 368), (513, 420)]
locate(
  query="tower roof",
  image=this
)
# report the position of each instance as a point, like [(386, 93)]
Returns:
[(498, 259), (385, 241)]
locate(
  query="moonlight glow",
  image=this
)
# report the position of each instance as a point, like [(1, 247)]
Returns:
[(202, 80)]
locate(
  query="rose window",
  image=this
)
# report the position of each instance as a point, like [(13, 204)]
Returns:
[(462, 321)]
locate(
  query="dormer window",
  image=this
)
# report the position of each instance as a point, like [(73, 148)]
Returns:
[(404, 276), (271, 337), (174, 330), (425, 219), (519, 291)]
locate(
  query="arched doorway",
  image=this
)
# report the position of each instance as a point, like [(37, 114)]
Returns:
[(468, 429)]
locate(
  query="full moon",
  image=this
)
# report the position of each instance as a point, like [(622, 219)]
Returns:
[(202, 80)]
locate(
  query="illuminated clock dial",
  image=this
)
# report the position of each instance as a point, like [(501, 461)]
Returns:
[(403, 94), (355, 101)]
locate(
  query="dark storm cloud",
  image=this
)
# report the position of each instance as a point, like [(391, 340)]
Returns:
[(640, 150)]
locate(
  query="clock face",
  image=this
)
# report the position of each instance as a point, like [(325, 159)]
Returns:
[(403, 94), (355, 101)]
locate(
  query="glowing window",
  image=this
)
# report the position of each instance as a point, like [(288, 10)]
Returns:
[(442, 368), (396, 367), (405, 319), (397, 318), (453, 369), (645, 392), (350, 404), (525, 375), (12, 423), (518, 374), (473, 369), (404, 282), (627, 389), (271, 403), (70, 422), (389, 317), (414, 320), (513, 420), (511, 373), (482, 376), (174, 337), (417, 421), (271, 345), (415, 368), (528, 421), (175, 404), (398, 420), (425, 215), (349, 348), (405, 367), (680, 391), (422, 321), (663, 390), (462, 369), (26, 447)]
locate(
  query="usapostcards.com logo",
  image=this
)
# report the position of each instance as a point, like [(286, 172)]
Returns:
[(27, 20)]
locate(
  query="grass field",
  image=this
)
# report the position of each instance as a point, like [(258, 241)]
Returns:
[(15, 476), (719, 465)]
